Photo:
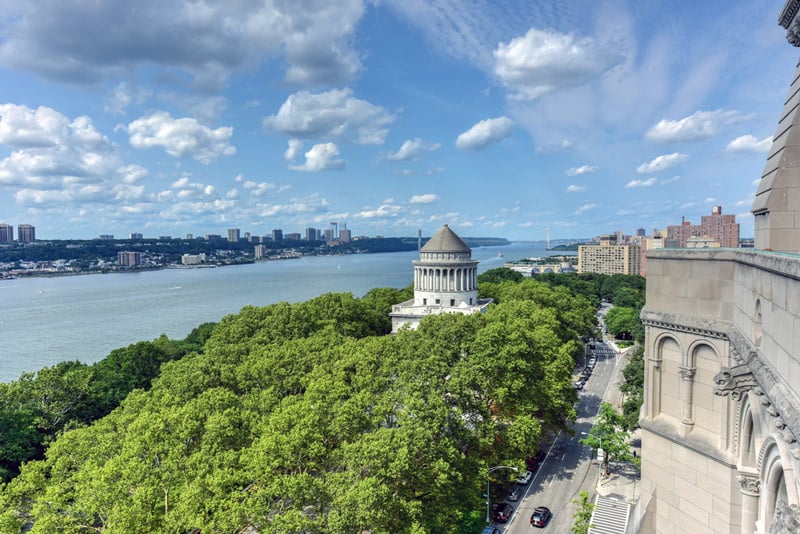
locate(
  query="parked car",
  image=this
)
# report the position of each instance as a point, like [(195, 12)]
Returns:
[(490, 530), (541, 515), (524, 478), (578, 385), (502, 512), (513, 495)]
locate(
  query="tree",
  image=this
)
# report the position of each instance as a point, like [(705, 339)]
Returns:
[(609, 435), (583, 515), (624, 323), (633, 389), (500, 274)]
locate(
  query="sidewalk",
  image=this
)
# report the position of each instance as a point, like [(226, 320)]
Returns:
[(623, 478)]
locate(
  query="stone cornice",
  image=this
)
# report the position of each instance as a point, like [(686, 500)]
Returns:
[(788, 13), (688, 325), (786, 265)]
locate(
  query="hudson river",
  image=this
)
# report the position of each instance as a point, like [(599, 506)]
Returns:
[(48, 320)]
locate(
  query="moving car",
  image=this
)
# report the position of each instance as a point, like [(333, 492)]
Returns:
[(541, 515), (524, 478), (502, 512)]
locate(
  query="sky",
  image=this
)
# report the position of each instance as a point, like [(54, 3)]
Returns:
[(506, 119)]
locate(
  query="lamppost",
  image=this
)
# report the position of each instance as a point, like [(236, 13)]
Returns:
[(488, 481)]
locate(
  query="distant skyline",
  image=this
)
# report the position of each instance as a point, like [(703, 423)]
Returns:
[(500, 119)]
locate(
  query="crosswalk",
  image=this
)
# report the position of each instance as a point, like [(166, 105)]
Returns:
[(610, 516)]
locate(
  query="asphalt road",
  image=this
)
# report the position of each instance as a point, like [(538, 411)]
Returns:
[(567, 468)]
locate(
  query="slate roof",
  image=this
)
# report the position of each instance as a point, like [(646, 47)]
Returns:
[(445, 240)]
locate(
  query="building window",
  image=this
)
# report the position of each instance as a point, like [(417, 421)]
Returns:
[(424, 302), (438, 301), (452, 302)]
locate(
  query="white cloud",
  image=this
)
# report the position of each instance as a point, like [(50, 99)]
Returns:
[(583, 169), (295, 145), (749, 144), (412, 149), (698, 125), (484, 133), (23, 127), (585, 208), (382, 211), (545, 61), (662, 162), (424, 199), (71, 41), (641, 183), (564, 145), (308, 205), (333, 113), (53, 151), (575, 189), (181, 137), (321, 157), (259, 189)]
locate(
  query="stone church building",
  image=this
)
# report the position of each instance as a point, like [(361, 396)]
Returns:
[(721, 417), (445, 281)]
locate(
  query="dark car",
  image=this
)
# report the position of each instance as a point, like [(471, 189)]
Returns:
[(541, 516), (490, 530), (502, 512)]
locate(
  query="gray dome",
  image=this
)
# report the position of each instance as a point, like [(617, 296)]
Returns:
[(445, 240)]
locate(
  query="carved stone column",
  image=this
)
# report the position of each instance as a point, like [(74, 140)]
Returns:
[(652, 388), (750, 486), (687, 387)]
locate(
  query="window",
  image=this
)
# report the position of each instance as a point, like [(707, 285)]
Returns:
[(452, 302), (438, 301)]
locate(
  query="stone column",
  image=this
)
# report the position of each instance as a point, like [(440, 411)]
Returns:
[(652, 389), (687, 385), (750, 486)]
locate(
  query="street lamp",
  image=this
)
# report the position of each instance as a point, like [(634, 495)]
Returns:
[(488, 481)]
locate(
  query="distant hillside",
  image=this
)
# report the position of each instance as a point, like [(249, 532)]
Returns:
[(486, 241)]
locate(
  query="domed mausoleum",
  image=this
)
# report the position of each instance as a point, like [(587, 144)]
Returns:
[(445, 281)]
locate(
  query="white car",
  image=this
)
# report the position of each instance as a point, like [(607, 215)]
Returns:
[(524, 478)]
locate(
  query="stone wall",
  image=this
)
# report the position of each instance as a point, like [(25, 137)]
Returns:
[(722, 374)]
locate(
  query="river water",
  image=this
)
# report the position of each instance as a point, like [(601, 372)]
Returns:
[(48, 320)]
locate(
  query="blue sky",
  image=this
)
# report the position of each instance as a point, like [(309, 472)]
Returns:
[(170, 117)]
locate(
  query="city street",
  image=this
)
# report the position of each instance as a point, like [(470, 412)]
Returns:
[(567, 468)]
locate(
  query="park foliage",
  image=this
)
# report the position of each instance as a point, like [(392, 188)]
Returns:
[(299, 417)]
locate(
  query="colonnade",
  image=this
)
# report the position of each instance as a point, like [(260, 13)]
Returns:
[(445, 279)]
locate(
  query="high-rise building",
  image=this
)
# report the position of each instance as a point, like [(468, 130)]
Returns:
[(293, 236), (233, 235), (277, 235), (259, 252), (129, 259), (6, 233), (328, 234), (334, 230), (722, 228), (677, 235), (106, 237), (609, 258), (26, 233), (136, 236), (344, 235), (312, 234)]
